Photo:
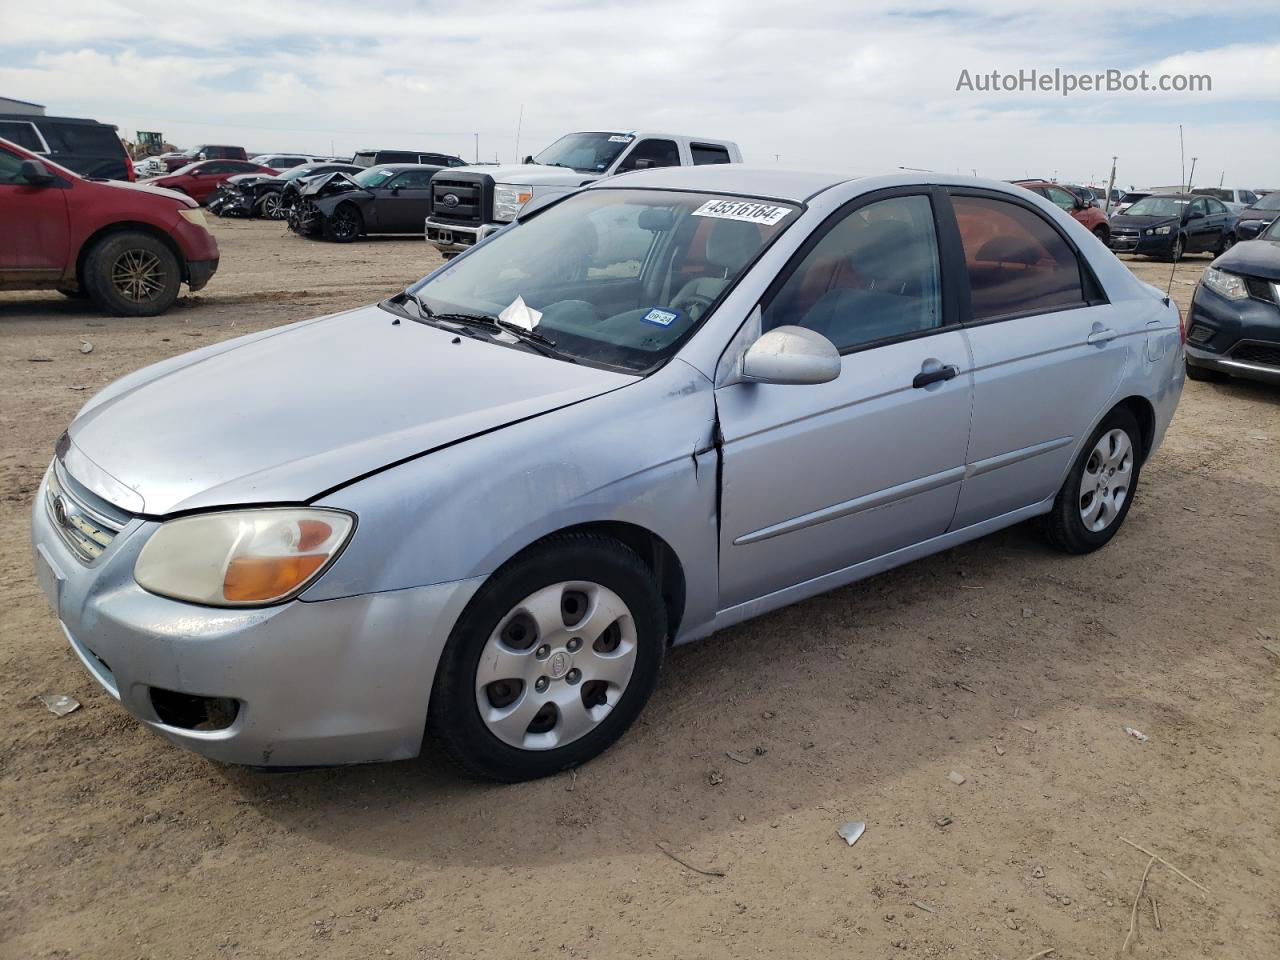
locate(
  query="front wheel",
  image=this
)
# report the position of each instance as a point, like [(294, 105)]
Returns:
[(1097, 494), (344, 224), (1103, 234), (1179, 247), (132, 275), (271, 207), (551, 662)]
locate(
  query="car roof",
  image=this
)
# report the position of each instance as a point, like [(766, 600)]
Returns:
[(796, 186)]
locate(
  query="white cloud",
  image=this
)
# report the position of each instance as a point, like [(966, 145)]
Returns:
[(821, 83)]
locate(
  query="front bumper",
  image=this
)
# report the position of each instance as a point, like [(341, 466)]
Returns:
[(315, 683), (1156, 245), (200, 272), (452, 238), (1237, 337)]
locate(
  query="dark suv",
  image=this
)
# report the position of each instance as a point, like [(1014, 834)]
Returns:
[(90, 148), (374, 158)]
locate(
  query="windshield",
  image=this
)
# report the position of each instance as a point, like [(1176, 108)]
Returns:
[(373, 177), (1272, 232), (1158, 207), (585, 152), (1270, 202), (621, 277)]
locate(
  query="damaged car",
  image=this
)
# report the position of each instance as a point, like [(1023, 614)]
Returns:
[(641, 413), (340, 207), (257, 195)]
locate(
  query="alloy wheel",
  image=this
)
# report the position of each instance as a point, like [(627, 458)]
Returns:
[(1105, 483), (344, 224), (556, 665), (138, 275), (272, 208)]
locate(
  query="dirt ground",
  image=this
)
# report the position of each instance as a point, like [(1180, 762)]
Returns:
[(1009, 664)]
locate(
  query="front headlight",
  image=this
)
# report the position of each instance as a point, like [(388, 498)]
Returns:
[(1164, 231), (242, 558), (193, 215), (1225, 284), (508, 200)]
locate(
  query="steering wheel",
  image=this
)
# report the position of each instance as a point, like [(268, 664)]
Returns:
[(694, 305)]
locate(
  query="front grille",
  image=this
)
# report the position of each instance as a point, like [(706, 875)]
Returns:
[(458, 200), (1261, 289), (86, 524), (1265, 354)]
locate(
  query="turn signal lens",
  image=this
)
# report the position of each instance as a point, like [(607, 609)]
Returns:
[(244, 557)]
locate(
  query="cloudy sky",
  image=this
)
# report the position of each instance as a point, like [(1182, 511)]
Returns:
[(859, 87)]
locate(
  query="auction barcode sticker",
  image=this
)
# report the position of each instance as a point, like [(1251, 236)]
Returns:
[(748, 210)]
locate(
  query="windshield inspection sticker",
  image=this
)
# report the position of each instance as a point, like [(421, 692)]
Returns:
[(748, 210), (661, 318)]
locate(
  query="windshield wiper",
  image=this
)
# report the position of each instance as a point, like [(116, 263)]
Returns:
[(540, 342)]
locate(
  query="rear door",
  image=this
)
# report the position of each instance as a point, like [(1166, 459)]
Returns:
[(33, 228), (1048, 352), (818, 478)]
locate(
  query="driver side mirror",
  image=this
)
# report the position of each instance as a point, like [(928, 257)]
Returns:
[(395, 191), (1194, 215), (35, 173), (528, 158), (791, 355)]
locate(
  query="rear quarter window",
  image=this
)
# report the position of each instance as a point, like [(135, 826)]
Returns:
[(705, 153), (91, 138)]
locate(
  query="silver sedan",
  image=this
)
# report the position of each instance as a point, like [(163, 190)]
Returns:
[(482, 509)]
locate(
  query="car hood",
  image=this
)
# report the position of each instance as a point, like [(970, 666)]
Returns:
[(533, 174), (285, 415), (1125, 220), (151, 187), (329, 183), (1254, 258)]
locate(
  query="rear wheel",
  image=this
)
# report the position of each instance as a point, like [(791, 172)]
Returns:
[(551, 661), (1228, 241), (344, 224), (1097, 494), (1179, 247), (132, 275)]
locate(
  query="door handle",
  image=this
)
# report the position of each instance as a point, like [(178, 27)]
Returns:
[(1101, 336), (926, 377)]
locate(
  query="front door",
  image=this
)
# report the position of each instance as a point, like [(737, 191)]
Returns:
[(818, 478), (402, 203), (33, 227)]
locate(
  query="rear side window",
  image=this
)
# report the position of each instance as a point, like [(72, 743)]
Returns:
[(91, 138), (655, 153), (1017, 263), (704, 153), (22, 133)]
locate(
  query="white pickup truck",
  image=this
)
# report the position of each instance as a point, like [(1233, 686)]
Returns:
[(469, 203)]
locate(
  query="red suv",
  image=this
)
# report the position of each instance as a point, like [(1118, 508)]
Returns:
[(128, 246), (199, 180), (1094, 218)]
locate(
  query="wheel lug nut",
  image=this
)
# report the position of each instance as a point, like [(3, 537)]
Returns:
[(542, 652), (541, 684), (574, 644), (574, 675)]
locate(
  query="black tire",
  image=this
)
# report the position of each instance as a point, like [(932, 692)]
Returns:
[(1063, 525), (1228, 241), (132, 274), (454, 718), (270, 207), (1103, 233), (344, 225), (1179, 249), (1204, 374)]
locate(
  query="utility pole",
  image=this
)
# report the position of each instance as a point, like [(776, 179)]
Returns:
[(477, 148), (1106, 207), (519, 124), (1182, 152), (777, 158), (1193, 174)]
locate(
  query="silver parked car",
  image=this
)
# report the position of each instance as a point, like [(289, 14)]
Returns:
[(642, 413)]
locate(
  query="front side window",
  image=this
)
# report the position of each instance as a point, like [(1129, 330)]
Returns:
[(1017, 263), (873, 276), (585, 152), (621, 277), (1216, 207), (412, 180), (651, 153)]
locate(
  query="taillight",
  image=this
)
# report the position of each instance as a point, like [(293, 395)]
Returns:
[(1182, 322)]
